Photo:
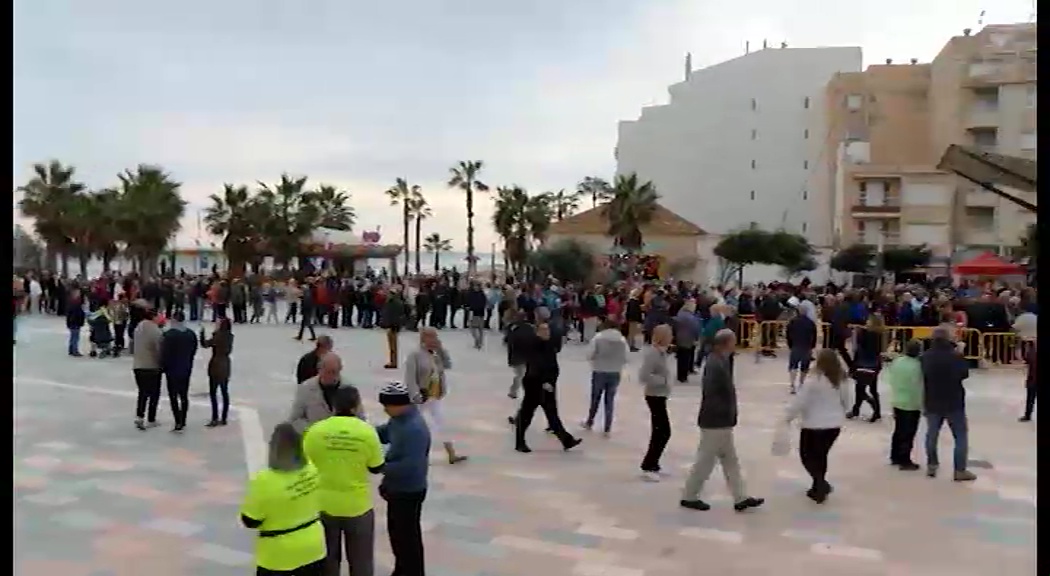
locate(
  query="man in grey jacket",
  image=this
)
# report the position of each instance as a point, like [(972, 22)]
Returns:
[(146, 365), (314, 398), (718, 417)]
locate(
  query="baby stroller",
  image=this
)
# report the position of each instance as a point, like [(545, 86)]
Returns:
[(101, 334)]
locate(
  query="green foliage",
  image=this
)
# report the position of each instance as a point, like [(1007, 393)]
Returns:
[(903, 258), (562, 204), (521, 220), (436, 244), (597, 189), (858, 258), (631, 205), (464, 176), (567, 260), (752, 245)]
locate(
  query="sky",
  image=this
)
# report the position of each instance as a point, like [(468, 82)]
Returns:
[(356, 94)]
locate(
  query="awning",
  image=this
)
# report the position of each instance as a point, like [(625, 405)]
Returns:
[(988, 264)]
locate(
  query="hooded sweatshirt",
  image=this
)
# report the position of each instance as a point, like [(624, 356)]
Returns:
[(608, 352)]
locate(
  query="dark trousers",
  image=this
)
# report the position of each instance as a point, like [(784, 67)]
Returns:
[(1029, 400), (905, 425), (218, 310), (814, 444), (118, 335), (195, 308), (659, 434), (178, 395), (355, 535), (333, 317), (404, 513), (348, 315), (867, 388), (215, 386), (293, 312), (684, 361), (307, 323), (311, 569), (148, 383), (536, 397)]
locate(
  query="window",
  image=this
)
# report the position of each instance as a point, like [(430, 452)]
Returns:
[(986, 100), (980, 218), (863, 187), (805, 134), (754, 134), (752, 194), (752, 164), (805, 195), (805, 103), (754, 105), (985, 137), (854, 102), (805, 164)]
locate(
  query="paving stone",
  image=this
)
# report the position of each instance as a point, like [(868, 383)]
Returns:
[(222, 555), (51, 499), (173, 526), (82, 520)]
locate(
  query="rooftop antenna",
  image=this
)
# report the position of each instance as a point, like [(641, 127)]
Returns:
[(688, 64), (980, 19), (747, 46), (764, 45)]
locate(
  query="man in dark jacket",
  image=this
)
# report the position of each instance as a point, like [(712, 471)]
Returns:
[(307, 310), (309, 363), (75, 319), (519, 336), (391, 319), (1030, 381), (177, 349), (717, 418), (944, 399), (801, 334), (475, 302)]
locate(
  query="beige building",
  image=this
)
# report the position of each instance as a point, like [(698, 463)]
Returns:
[(889, 125), (675, 240)]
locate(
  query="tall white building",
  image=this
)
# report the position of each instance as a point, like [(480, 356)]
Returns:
[(741, 141)]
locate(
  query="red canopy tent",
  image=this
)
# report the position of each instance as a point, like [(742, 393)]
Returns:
[(988, 264)]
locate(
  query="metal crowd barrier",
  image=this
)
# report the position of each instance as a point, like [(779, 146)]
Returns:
[(995, 348)]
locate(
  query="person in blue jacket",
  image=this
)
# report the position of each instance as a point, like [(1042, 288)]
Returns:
[(75, 320), (178, 347)]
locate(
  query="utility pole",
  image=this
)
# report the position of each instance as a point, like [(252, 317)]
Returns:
[(492, 263)]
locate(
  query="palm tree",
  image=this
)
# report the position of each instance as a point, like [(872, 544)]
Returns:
[(465, 177), (239, 219), (419, 210), (521, 221), (335, 209), (563, 204), (436, 244), (151, 214), (631, 206), (293, 217), (403, 195), (597, 188), (45, 199), (106, 212)]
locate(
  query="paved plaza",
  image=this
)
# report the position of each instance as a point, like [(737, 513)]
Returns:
[(95, 497)]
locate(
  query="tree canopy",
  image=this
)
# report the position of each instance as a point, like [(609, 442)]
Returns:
[(567, 260), (857, 258), (897, 259), (753, 245)]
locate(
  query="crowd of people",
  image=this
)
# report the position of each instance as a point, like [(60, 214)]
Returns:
[(312, 505)]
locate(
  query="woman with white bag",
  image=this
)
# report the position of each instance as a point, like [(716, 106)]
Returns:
[(821, 405)]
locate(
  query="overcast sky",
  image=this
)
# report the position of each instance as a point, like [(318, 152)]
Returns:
[(358, 93)]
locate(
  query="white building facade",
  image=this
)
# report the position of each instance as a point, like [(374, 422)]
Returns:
[(741, 142)]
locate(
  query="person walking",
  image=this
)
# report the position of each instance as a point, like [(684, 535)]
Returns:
[(292, 294), (687, 332), (801, 335), (269, 298), (519, 337), (426, 383), (118, 310), (219, 367), (539, 383), (867, 363), (404, 484), (608, 357), (76, 317), (146, 365), (717, 418), (476, 303), (307, 313), (1030, 381), (944, 400), (905, 378), (346, 450), (821, 406), (314, 398), (283, 504), (391, 320), (177, 349), (656, 378), (307, 366)]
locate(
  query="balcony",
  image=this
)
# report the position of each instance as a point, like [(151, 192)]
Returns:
[(875, 238), (989, 74), (979, 197), (983, 115), (980, 236), (886, 207)]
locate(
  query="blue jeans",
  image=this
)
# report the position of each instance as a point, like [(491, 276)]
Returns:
[(603, 387), (957, 424), (74, 341)]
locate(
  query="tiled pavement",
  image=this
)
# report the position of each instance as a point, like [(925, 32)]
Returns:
[(94, 497)]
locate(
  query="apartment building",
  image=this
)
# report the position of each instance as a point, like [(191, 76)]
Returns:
[(889, 125), (740, 141)]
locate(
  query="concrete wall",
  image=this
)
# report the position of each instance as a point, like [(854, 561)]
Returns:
[(765, 107)]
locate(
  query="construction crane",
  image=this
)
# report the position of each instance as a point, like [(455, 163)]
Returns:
[(987, 169)]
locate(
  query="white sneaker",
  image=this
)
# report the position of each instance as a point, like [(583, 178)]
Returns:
[(152, 424), (651, 476)]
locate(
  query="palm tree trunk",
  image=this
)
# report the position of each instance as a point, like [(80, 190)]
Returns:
[(107, 261), (471, 266), (405, 220), (64, 263), (437, 261), (419, 230), (82, 259)]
